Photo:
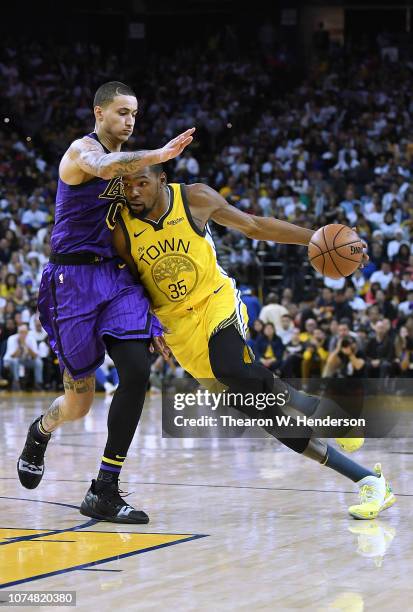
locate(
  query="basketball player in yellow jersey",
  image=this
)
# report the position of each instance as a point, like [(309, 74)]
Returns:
[(164, 238)]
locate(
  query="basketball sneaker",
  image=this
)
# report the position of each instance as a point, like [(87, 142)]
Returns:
[(349, 445), (375, 495), (107, 505), (30, 465)]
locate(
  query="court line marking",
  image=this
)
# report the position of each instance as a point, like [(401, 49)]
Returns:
[(90, 569), (76, 528), (36, 536), (40, 501), (100, 561), (80, 433), (47, 541), (212, 486)]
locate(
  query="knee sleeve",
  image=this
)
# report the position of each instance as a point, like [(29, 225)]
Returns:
[(132, 361)]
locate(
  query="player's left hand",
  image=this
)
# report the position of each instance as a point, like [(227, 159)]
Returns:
[(366, 258), (175, 146), (159, 345)]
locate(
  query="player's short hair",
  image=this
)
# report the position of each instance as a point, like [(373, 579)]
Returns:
[(156, 169), (106, 92)]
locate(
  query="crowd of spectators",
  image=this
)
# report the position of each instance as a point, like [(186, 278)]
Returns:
[(334, 147)]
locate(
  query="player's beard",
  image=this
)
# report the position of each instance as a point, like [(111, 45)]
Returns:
[(143, 213), (147, 209)]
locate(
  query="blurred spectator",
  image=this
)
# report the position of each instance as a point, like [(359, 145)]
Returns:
[(403, 347), (308, 333), (383, 276), (255, 333), (273, 311), (346, 360), (286, 329), (22, 355), (315, 356), (269, 348), (252, 303), (406, 307), (379, 353), (293, 353)]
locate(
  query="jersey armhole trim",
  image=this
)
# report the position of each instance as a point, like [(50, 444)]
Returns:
[(126, 234), (188, 212)]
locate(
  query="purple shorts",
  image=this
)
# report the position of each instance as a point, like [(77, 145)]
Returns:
[(78, 304)]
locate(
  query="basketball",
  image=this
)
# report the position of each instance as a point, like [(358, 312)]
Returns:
[(335, 250)]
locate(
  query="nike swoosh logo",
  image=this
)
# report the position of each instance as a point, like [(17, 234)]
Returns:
[(119, 457), (219, 289), (139, 233)]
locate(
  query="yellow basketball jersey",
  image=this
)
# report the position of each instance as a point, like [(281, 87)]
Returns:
[(176, 260)]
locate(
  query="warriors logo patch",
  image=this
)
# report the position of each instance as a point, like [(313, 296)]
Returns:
[(176, 276)]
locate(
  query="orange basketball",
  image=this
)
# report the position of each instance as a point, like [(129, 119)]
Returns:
[(335, 250)]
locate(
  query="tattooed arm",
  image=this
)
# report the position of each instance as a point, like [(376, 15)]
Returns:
[(86, 158)]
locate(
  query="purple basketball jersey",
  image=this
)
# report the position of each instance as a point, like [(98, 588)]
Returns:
[(85, 215), (80, 304)]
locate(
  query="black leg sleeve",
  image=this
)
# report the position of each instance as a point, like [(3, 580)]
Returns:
[(132, 361), (226, 354)]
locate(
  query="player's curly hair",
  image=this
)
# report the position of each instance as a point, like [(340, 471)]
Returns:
[(106, 92)]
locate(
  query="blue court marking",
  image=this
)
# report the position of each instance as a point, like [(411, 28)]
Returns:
[(76, 528), (90, 569), (35, 536), (107, 560), (40, 501), (75, 433), (208, 486), (47, 541)]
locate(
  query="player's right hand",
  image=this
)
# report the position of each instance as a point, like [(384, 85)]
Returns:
[(159, 345), (175, 146)]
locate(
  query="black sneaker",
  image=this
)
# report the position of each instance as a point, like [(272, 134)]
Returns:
[(107, 505), (30, 466)]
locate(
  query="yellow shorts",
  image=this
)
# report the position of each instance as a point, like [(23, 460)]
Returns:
[(187, 333)]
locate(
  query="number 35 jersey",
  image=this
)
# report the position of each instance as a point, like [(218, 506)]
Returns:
[(176, 260)]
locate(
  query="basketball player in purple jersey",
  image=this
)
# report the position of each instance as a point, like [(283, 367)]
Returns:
[(89, 301)]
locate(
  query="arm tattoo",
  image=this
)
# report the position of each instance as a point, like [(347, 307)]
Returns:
[(128, 162), (83, 385), (91, 158)]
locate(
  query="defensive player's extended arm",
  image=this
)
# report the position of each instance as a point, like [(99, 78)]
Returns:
[(259, 228), (120, 243), (90, 157)]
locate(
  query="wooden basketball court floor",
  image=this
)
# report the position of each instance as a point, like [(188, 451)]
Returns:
[(234, 524)]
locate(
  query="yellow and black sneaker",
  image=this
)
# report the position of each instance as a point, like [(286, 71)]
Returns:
[(375, 496), (106, 504)]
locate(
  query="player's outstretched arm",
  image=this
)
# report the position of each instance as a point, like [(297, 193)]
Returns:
[(208, 204), (89, 156)]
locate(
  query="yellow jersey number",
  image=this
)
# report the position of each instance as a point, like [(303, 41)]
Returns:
[(114, 210)]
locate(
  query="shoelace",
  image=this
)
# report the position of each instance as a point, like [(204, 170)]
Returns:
[(124, 493), (367, 494), (35, 451)]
